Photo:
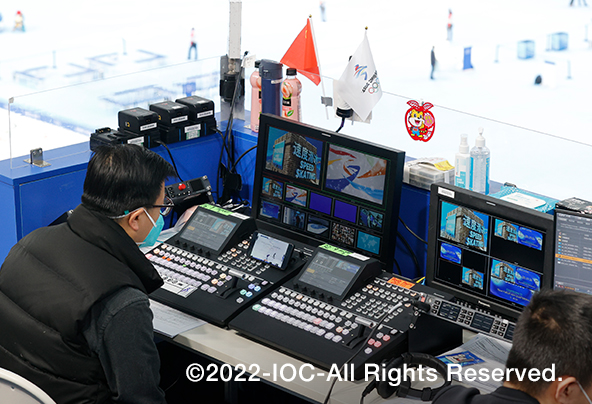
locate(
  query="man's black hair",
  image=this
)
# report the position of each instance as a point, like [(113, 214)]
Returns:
[(555, 328), (123, 178)]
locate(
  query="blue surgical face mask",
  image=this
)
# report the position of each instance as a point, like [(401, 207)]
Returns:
[(152, 237)]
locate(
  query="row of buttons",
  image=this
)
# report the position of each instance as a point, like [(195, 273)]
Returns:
[(173, 274), (499, 327), (480, 321), (301, 320), (309, 311), (177, 265), (318, 317), (237, 257), (378, 297), (465, 316)]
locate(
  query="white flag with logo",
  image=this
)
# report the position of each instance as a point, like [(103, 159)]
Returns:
[(359, 85)]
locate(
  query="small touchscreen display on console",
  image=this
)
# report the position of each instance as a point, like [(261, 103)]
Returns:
[(207, 230), (329, 273), (271, 250)]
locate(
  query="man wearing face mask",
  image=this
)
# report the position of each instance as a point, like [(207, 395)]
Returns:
[(76, 319), (555, 330)]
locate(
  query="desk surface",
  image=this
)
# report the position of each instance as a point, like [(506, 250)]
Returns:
[(229, 347)]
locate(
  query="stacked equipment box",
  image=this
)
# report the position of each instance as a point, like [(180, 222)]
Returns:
[(140, 122)]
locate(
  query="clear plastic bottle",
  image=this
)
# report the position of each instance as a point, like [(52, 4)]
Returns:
[(462, 163), (291, 89), (255, 98), (480, 161)]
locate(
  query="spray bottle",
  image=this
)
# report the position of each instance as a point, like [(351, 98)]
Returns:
[(462, 164), (291, 89), (255, 97), (480, 165)]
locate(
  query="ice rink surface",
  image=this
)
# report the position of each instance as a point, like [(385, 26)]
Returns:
[(500, 87)]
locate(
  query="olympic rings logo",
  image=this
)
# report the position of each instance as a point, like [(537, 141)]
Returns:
[(375, 87)]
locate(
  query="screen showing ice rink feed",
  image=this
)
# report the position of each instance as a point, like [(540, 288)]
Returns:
[(488, 256)]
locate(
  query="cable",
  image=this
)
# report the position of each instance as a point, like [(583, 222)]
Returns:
[(241, 156), (220, 162), (418, 273), (231, 114), (398, 267), (362, 346), (171, 156), (224, 147), (228, 135), (342, 123), (411, 231)]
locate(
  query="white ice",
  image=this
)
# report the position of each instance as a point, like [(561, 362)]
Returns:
[(540, 136)]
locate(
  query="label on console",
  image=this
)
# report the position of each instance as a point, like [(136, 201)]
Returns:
[(217, 209), (336, 250), (359, 256), (446, 192), (240, 216), (177, 287), (401, 283)]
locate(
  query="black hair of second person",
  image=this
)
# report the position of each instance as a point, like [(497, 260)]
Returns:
[(123, 178), (555, 328)]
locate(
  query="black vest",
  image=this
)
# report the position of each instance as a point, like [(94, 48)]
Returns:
[(48, 283)]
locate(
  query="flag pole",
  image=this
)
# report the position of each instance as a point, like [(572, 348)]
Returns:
[(314, 40)]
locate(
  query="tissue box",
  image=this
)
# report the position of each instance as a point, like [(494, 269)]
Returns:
[(426, 171), (526, 198)]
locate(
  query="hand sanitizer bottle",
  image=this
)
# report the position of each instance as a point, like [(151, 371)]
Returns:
[(462, 164), (480, 165)]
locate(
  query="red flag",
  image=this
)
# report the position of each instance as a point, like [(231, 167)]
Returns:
[(302, 55)]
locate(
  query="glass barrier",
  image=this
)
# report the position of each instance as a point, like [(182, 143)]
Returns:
[(534, 161), (67, 115)]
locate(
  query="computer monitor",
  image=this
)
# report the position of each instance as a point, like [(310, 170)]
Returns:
[(573, 251), (488, 252), (319, 186)]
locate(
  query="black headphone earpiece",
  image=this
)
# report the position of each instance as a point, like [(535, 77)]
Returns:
[(404, 389)]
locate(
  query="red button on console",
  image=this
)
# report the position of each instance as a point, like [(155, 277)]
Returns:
[(182, 187)]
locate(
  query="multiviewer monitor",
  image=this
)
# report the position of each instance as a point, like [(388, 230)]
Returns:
[(490, 253), (573, 251), (322, 187)]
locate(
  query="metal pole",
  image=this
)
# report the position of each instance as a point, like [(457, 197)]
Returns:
[(10, 101)]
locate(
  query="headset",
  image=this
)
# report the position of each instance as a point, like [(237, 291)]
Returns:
[(404, 389)]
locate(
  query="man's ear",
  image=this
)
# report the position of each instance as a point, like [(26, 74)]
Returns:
[(566, 390), (133, 219)]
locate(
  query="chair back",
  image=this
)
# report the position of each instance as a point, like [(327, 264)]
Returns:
[(15, 389)]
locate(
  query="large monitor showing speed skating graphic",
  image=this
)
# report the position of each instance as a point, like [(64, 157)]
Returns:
[(486, 251), (326, 187), (355, 173)]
